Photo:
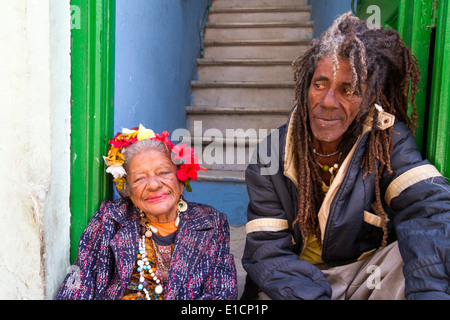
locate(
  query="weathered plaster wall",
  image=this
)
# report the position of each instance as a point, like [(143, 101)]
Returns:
[(57, 204), (34, 148)]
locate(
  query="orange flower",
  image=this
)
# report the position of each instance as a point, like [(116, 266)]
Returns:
[(114, 157)]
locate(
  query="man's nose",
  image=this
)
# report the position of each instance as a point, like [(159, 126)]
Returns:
[(330, 99)]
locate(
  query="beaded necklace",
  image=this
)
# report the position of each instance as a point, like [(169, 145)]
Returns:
[(332, 170), (151, 263), (149, 267)]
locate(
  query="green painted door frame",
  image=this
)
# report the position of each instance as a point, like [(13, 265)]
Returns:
[(425, 27), (439, 125), (411, 19), (93, 37)]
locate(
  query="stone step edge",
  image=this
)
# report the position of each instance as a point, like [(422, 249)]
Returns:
[(243, 62), (232, 110), (197, 84), (237, 140), (222, 176), (281, 24), (275, 42), (213, 10)]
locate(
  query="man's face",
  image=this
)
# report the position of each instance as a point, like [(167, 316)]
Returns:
[(332, 106)]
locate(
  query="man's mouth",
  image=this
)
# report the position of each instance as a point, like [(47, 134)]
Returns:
[(326, 122)]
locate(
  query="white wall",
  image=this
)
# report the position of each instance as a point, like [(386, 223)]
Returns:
[(34, 147)]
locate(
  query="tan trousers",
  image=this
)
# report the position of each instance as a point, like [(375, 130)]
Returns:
[(377, 277)]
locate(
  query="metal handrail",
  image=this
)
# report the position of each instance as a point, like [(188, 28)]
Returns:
[(202, 30)]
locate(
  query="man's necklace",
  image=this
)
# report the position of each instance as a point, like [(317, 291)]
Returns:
[(325, 155)]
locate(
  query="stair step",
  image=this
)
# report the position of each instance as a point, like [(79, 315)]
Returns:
[(256, 49), (270, 9), (252, 51), (242, 84), (217, 152), (258, 32), (222, 176), (244, 97), (228, 70), (240, 94), (238, 140), (191, 110), (265, 42), (259, 14), (243, 62), (257, 3), (271, 24), (232, 151), (234, 122)]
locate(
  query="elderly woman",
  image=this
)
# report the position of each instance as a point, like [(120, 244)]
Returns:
[(151, 244)]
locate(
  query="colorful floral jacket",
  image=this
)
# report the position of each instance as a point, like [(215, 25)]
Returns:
[(201, 266)]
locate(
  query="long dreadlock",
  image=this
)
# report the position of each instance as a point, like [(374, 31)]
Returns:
[(378, 59)]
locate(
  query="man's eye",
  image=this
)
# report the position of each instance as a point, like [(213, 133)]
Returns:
[(347, 92), (319, 86)]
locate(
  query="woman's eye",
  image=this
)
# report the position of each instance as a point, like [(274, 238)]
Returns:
[(139, 179)]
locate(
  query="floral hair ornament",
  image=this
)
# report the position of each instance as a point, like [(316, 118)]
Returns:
[(185, 158)]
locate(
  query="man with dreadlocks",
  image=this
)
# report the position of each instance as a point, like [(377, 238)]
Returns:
[(354, 212)]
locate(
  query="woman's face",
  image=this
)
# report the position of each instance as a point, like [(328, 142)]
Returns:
[(153, 185)]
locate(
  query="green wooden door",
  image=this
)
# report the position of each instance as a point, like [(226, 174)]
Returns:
[(424, 26), (93, 25), (438, 150)]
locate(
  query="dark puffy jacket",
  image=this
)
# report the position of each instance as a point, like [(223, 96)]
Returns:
[(416, 194)]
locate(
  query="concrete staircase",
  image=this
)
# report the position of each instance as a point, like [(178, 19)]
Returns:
[(245, 80)]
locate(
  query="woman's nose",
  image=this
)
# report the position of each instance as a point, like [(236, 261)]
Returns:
[(153, 183)]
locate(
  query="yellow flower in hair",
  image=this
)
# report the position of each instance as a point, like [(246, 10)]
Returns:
[(114, 157), (119, 183), (145, 133)]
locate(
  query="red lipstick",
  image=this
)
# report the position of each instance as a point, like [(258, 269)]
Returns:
[(157, 197)]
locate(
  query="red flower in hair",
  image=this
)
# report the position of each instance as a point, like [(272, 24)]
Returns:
[(188, 168), (163, 137), (121, 140), (182, 173)]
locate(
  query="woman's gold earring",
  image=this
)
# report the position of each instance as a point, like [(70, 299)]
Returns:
[(181, 207)]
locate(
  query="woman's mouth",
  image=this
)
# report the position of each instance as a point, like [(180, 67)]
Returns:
[(157, 197)]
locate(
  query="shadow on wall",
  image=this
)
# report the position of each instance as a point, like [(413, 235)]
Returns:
[(324, 12)]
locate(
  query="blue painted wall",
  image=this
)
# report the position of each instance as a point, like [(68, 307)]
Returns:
[(228, 197), (323, 12), (157, 43)]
